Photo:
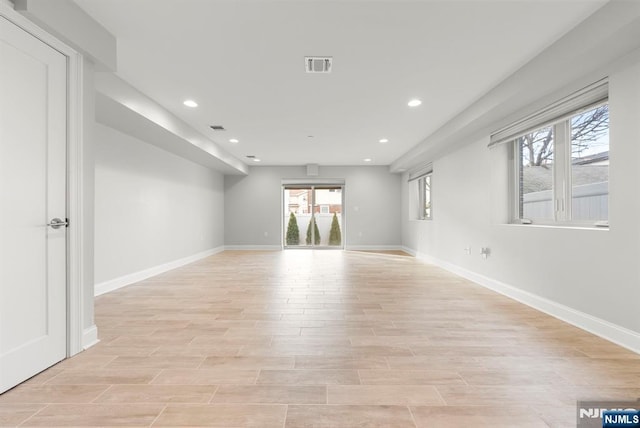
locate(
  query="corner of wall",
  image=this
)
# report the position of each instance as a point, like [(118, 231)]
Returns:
[(374, 248), (408, 250), (116, 283)]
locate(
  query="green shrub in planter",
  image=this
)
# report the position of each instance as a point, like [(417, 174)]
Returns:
[(316, 240), (335, 237), (293, 233)]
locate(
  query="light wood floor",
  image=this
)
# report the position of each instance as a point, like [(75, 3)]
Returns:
[(322, 339)]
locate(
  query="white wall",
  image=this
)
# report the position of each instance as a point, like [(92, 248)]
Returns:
[(151, 207), (253, 205), (595, 272)]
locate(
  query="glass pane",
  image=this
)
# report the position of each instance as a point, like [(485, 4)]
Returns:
[(590, 164), (313, 217), (328, 216), (297, 214), (536, 174)]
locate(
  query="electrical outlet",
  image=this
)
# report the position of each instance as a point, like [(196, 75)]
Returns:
[(467, 250), (484, 252)]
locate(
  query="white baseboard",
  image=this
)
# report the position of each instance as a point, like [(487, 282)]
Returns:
[(614, 333), (374, 248), (253, 247), (90, 337), (114, 284), (348, 247)]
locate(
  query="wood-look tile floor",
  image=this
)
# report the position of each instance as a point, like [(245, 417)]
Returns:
[(322, 339)]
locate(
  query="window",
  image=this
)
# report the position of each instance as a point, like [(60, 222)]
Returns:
[(420, 181), (563, 170), (560, 169), (424, 197)]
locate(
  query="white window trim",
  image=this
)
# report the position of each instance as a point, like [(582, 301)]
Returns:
[(417, 175), (562, 186)]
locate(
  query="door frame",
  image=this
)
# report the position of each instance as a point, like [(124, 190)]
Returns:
[(76, 254), (312, 184)]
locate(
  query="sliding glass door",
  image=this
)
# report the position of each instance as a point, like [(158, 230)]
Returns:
[(312, 216)]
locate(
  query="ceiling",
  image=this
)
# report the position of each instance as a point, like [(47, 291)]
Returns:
[(242, 61)]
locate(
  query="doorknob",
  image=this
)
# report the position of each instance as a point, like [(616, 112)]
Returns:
[(56, 223)]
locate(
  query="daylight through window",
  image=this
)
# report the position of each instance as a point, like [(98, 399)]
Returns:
[(420, 185), (560, 169), (563, 170), (425, 193)]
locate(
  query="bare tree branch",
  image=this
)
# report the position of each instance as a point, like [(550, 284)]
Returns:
[(587, 128)]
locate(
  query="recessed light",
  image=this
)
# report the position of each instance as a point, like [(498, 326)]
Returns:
[(234, 140), (256, 160), (384, 140), (414, 103), (367, 160), (190, 103)]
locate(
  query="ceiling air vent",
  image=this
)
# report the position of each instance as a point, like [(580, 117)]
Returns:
[(318, 64), (217, 128)]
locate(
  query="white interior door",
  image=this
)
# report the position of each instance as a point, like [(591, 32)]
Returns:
[(33, 327)]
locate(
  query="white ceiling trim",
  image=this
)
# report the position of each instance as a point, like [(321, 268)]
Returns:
[(121, 106)]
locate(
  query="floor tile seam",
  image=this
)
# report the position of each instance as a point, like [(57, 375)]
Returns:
[(158, 415), (204, 358), (412, 416), (101, 394), (33, 415), (440, 395), (98, 384), (156, 377), (53, 377), (215, 391)]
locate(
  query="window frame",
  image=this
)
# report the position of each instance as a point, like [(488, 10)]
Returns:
[(425, 213), (562, 186), (416, 179)]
